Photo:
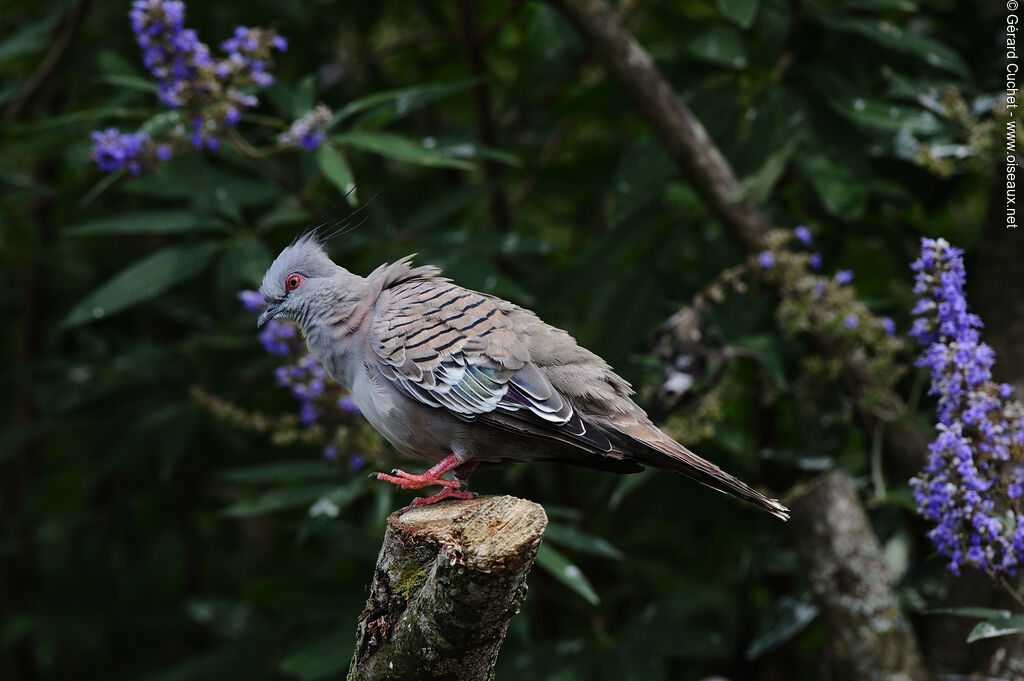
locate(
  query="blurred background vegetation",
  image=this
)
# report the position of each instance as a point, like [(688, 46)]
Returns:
[(156, 510)]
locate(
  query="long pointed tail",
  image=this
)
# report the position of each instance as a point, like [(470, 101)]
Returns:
[(660, 451)]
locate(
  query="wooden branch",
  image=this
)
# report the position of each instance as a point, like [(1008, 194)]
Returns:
[(448, 580), (679, 130), (869, 637), (704, 166)]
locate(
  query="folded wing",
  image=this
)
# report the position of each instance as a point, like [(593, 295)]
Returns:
[(455, 349)]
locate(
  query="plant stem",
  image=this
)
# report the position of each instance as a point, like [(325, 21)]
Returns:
[(1013, 592)]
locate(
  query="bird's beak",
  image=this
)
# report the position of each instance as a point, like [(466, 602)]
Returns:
[(268, 314)]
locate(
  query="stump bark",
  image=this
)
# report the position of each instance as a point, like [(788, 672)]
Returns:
[(449, 578)]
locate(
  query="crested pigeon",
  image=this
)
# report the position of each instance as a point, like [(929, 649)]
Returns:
[(464, 378)]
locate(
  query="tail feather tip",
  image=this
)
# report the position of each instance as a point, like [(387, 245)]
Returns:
[(776, 509)]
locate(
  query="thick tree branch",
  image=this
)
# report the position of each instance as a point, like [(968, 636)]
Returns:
[(448, 580), (870, 638), (679, 130), (709, 172)]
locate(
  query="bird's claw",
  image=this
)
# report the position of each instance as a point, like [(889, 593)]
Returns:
[(411, 481)]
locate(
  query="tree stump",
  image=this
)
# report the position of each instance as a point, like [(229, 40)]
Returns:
[(449, 578)]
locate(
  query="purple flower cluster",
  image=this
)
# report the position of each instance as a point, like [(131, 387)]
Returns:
[(172, 53), (279, 338), (248, 52), (303, 375), (307, 381), (113, 150), (212, 92), (309, 130), (973, 481)]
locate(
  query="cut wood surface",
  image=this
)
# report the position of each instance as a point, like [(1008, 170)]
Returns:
[(449, 578)]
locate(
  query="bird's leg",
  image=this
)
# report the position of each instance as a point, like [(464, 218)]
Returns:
[(461, 473), (431, 477)]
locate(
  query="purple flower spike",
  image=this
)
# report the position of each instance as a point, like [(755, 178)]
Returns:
[(213, 93), (975, 467), (113, 150), (310, 130), (348, 405), (251, 300), (889, 325), (851, 321), (844, 277), (815, 261), (278, 338), (766, 259), (803, 235)]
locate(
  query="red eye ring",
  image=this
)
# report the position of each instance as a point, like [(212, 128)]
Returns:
[(293, 280)]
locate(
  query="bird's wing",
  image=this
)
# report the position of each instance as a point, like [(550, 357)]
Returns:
[(458, 350)]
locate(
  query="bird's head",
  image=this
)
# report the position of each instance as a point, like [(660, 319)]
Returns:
[(298, 275)]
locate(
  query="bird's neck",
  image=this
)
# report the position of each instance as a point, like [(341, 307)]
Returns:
[(333, 332)]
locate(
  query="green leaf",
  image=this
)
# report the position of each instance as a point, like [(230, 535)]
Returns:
[(740, 12), (281, 472), (324, 657), (336, 169), (841, 190), (629, 484), (155, 222), (87, 116), (211, 187), (788, 618), (564, 571), (279, 500), (572, 538), (246, 260), (1003, 625), (123, 80), (104, 183), (640, 177), (31, 38), (767, 351), (896, 38), (403, 101), (217, 665), (446, 207), (142, 281), (304, 96), (402, 149), (979, 613), (287, 212), (758, 186), (720, 44), (887, 117)]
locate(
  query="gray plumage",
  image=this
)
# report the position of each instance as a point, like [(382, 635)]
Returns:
[(440, 369)]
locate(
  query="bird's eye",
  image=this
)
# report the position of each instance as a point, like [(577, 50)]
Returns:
[(293, 281)]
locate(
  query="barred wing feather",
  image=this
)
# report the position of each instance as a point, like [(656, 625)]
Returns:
[(456, 349)]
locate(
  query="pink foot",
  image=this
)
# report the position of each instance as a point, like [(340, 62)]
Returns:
[(434, 476), (446, 493), (411, 481)]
